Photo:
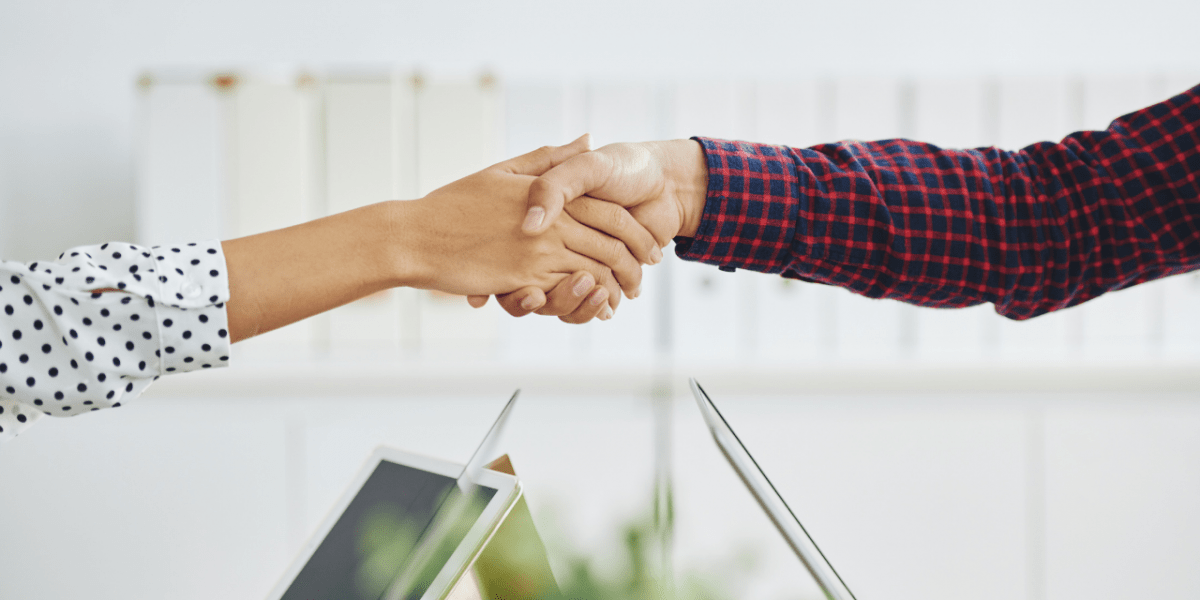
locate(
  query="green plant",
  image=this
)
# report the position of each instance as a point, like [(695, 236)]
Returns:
[(639, 574)]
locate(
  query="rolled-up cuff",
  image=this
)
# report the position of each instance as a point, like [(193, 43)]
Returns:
[(751, 209)]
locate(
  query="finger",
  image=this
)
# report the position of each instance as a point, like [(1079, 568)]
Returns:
[(566, 297), (616, 221), (573, 178), (477, 301), (522, 301), (608, 282), (601, 274), (594, 306), (659, 218), (607, 250), (545, 158)]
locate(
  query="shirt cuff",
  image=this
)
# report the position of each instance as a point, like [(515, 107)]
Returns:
[(751, 209), (190, 307)]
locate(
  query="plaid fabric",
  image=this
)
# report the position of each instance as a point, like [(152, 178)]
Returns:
[(1031, 231)]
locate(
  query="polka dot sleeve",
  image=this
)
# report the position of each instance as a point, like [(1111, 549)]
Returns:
[(94, 328)]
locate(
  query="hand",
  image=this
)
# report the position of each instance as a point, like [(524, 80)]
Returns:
[(663, 184), (466, 236)]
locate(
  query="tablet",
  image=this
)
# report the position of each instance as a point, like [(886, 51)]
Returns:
[(769, 499), (379, 523)]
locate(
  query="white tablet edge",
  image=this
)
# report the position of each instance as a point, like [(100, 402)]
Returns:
[(508, 491), (507, 487), (769, 499)]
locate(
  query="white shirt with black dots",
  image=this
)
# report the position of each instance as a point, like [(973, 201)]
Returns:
[(66, 348)]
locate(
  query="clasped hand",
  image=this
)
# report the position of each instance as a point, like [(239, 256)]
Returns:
[(643, 195), (471, 241)]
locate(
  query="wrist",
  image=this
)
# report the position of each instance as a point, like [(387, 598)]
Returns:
[(405, 253), (687, 175)]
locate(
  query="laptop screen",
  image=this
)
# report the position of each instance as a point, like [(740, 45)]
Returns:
[(769, 498), (373, 539)]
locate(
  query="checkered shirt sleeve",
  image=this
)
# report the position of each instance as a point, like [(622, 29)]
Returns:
[(1031, 231)]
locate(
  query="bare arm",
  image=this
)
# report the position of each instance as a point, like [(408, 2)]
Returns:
[(280, 277), (464, 238)]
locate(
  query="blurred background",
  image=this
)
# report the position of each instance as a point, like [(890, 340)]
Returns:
[(932, 454)]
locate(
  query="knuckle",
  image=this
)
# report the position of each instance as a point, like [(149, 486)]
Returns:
[(616, 249), (591, 160), (604, 277), (614, 288), (634, 277), (620, 218), (541, 185), (552, 308), (629, 269)]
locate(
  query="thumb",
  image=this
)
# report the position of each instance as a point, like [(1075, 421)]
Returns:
[(575, 177), (545, 158)]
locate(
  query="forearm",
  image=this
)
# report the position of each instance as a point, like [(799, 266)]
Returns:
[(1031, 231), (283, 276)]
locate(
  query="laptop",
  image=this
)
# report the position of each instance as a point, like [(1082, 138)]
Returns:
[(769, 499)]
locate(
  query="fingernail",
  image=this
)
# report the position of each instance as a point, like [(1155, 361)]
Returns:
[(635, 292), (598, 296), (656, 255), (529, 303), (606, 313), (534, 218), (582, 286)]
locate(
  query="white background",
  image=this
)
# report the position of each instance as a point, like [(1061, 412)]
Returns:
[(932, 454), (67, 67)]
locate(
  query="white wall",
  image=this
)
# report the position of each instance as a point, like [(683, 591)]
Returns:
[(912, 496), (67, 67), (1006, 491)]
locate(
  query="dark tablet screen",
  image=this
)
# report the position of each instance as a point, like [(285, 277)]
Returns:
[(374, 537)]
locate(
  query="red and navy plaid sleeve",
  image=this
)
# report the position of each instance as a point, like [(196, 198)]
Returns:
[(1031, 231)]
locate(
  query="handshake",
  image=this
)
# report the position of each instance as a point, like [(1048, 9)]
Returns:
[(562, 231)]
